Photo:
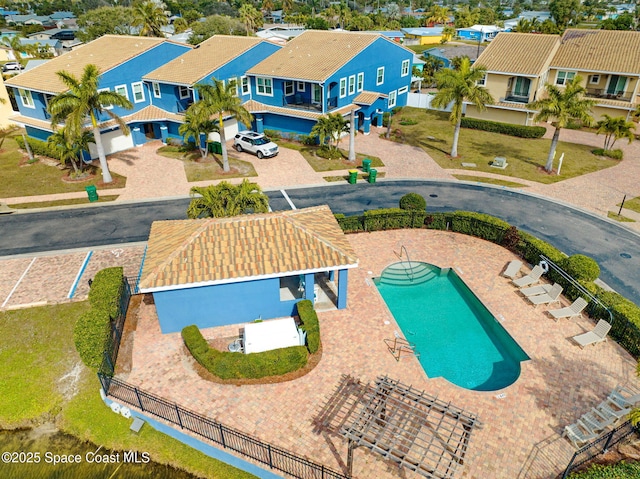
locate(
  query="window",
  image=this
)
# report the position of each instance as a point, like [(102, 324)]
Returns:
[(244, 81), (288, 88), (360, 86), (405, 68), (617, 85), (392, 98), (562, 78), (264, 86), (402, 90), (156, 89), (380, 76), (301, 86), (26, 98), (594, 79), (482, 81), (352, 84), (138, 92), (106, 107), (122, 90), (184, 92), (343, 87)]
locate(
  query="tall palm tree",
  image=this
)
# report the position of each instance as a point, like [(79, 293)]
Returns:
[(150, 16), (329, 128), (562, 105), (69, 147), (15, 44), (614, 129), (225, 199), (437, 15), (218, 99), (458, 86), (250, 16), (198, 125), (83, 100)]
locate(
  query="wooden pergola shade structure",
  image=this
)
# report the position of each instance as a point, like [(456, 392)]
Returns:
[(409, 427)]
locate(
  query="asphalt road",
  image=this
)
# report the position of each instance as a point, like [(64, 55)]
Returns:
[(616, 249)]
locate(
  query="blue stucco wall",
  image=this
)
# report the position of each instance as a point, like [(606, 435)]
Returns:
[(284, 123), (36, 133)]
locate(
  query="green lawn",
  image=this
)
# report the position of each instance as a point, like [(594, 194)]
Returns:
[(622, 219), (633, 204), (71, 201), (20, 178), (37, 352), (526, 157), (210, 169), (493, 181), (325, 164)]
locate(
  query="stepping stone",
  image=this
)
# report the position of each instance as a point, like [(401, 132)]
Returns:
[(137, 424), (469, 165)]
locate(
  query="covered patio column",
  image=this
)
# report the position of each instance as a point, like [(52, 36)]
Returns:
[(342, 289)]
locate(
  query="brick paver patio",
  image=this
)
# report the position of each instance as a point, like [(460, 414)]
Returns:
[(521, 430)]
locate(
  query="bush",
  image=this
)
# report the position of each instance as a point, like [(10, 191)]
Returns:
[(105, 290), (480, 225), (519, 131), (581, 267), (350, 224), (90, 335), (328, 153), (621, 470), (38, 147), (310, 324), (393, 218), (530, 248), (614, 154), (413, 201), (273, 133), (226, 365)]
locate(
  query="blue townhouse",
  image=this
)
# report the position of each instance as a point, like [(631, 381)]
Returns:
[(122, 61), (223, 57), (321, 72)]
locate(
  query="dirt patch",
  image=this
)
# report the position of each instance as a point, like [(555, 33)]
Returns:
[(125, 353)]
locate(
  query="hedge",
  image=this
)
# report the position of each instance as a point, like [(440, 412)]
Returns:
[(581, 267), (616, 154), (227, 365), (38, 147), (105, 290), (519, 131), (310, 324), (621, 470), (393, 218)]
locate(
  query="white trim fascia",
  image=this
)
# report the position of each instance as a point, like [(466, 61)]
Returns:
[(604, 72), (511, 74)]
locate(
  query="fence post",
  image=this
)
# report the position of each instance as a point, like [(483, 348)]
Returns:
[(179, 418), (569, 466), (606, 444), (222, 435), (139, 400), (270, 460)]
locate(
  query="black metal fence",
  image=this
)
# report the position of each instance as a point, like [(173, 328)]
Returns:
[(112, 345), (599, 446)]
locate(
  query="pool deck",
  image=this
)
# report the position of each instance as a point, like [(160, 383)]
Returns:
[(521, 424)]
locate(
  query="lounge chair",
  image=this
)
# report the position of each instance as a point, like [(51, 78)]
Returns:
[(553, 296), (625, 396), (597, 421), (610, 409), (571, 311), (598, 334), (512, 269), (532, 278), (579, 433), (535, 290)]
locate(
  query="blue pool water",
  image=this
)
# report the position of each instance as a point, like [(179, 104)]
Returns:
[(456, 335)]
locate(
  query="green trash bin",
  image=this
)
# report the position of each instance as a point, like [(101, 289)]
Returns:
[(215, 147), (92, 193), (373, 173), (353, 176), (366, 165)]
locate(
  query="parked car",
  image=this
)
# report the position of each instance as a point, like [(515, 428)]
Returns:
[(255, 143), (11, 66)]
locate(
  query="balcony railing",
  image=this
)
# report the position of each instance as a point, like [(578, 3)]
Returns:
[(600, 93), (516, 96), (300, 102)]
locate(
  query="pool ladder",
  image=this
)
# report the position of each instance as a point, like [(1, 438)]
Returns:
[(410, 269), (398, 346)]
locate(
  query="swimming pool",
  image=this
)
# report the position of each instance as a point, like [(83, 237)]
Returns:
[(456, 335)]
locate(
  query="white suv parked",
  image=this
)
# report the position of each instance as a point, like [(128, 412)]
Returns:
[(255, 143)]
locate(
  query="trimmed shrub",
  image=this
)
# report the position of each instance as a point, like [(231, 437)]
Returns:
[(511, 238), (620, 470), (581, 267), (393, 218), (90, 334), (350, 224), (480, 225), (105, 290), (226, 365), (530, 248), (38, 147), (614, 154), (519, 131), (413, 201), (310, 324)]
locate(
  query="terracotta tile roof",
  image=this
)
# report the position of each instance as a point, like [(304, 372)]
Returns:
[(106, 53), (153, 113), (315, 55), (510, 104), (194, 66), (25, 120), (599, 50), (519, 53), (257, 107), (368, 97), (223, 250)]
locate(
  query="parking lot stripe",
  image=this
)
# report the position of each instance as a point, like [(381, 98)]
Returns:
[(74, 285), (286, 197), (18, 282)]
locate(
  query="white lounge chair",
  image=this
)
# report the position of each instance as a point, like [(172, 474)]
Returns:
[(512, 269), (553, 296), (610, 409), (597, 421), (532, 278), (625, 396), (598, 334), (579, 433), (573, 310), (535, 290)]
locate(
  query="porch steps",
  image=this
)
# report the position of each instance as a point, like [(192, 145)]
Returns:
[(407, 273)]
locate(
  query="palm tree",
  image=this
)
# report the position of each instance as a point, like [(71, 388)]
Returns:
[(225, 199), (562, 106), (329, 129), (218, 99), (198, 125), (437, 15), (83, 100), (250, 16), (69, 147), (15, 45), (150, 16), (614, 129), (458, 86)]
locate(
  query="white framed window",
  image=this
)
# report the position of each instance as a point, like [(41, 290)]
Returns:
[(405, 68), (380, 76), (301, 86), (343, 87), (156, 89), (562, 78), (482, 80), (264, 86), (122, 90), (352, 84), (360, 82), (288, 88), (26, 98), (184, 92), (244, 82), (594, 79), (402, 90), (106, 107), (138, 92), (392, 98)]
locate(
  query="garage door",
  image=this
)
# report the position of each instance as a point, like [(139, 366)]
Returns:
[(230, 130), (113, 141)]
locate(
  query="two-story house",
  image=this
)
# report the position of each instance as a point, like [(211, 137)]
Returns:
[(321, 72), (122, 61), (223, 57)]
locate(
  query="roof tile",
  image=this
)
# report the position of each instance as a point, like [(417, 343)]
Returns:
[(519, 53)]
